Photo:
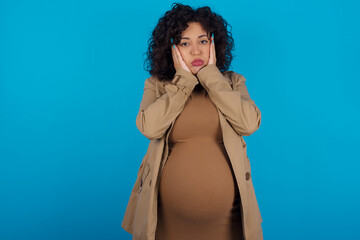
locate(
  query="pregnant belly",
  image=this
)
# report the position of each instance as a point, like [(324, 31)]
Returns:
[(197, 183)]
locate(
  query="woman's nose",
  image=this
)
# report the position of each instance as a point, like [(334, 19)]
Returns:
[(195, 49)]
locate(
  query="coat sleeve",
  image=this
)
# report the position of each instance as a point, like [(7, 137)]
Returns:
[(156, 114), (235, 104)]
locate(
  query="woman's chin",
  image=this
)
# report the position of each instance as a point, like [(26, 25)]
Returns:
[(196, 69)]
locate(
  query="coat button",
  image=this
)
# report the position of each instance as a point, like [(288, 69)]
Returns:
[(247, 176)]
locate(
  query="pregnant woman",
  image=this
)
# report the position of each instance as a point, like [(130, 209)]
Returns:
[(194, 183)]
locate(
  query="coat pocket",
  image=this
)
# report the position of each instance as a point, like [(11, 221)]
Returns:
[(144, 176)]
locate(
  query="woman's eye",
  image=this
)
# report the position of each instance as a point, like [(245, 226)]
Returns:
[(186, 44)]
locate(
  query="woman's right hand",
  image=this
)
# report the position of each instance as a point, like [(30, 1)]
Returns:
[(177, 59)]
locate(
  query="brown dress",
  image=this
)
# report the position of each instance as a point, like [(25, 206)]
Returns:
[(198, 196)]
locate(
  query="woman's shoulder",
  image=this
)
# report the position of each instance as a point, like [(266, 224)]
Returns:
[(234, 77), (152, 81)]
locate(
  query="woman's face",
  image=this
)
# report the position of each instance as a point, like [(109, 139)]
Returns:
[(194, 44)]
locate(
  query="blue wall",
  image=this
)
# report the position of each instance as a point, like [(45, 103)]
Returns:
[(71, 81)]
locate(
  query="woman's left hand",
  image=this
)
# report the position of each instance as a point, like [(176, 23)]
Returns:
[(212, 57)]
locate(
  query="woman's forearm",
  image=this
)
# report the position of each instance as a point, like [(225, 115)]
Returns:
[(156, 114), (235, 104)]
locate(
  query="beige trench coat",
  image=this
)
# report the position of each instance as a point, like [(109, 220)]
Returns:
[(162, 102)]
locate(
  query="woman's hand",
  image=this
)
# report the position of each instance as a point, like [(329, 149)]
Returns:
[(212, 57), (177, 59)]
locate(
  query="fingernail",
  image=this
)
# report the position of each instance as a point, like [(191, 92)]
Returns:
[(174, 46), (212, 36)]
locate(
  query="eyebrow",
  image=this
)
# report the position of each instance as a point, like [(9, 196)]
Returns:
[(204, 35)]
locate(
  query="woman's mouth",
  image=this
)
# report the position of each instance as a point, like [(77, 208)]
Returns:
[(197, 62)]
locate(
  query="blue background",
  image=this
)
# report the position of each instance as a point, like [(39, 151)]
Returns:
[(71, 81)]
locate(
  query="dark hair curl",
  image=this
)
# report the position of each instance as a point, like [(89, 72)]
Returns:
[(159, 60)]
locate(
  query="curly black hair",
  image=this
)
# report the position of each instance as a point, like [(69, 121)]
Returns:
[(159, 60)]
